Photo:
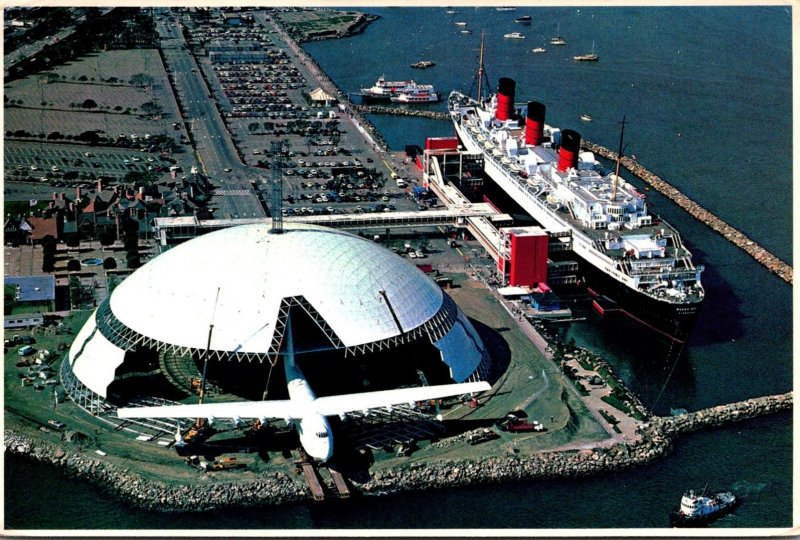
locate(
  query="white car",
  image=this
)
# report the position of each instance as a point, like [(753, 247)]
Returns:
[(227, 169)]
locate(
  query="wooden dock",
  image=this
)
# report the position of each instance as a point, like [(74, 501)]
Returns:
[(341, 485), (313, 481)]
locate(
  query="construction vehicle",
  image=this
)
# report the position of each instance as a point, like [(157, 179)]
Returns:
[(483, 436), (520, 426)]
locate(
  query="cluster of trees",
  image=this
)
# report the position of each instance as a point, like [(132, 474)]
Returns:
[(130, 241), (51, 21), (48, 254), (156, 143), (79, 295), (121, 28)]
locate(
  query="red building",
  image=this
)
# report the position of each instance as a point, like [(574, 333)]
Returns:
[(523, 258)]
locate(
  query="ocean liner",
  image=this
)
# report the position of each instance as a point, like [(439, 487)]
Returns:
[(628, 255)]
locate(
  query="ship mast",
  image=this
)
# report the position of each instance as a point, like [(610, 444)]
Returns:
[(480, 75), (619, 157), (480, 70)]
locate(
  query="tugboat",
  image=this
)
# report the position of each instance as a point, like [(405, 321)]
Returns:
[(701, 509)]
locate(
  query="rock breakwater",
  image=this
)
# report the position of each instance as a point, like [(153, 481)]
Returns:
[(399, 111), (727, 231), (657, 438), (276, 488)]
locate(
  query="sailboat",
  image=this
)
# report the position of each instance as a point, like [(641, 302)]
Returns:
[(557, 39), (589, 57)]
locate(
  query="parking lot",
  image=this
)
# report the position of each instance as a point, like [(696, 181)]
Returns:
[(69, 165), (262, 89)]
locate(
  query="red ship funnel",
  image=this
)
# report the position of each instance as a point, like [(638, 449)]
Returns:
[(505, 98), (570, 147), (534, 123)]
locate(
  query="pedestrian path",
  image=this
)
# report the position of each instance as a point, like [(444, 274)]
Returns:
[(233, 192)]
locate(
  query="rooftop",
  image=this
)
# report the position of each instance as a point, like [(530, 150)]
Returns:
[(33, 288)]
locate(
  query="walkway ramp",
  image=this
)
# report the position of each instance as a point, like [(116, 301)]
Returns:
[(341, 485), (313, 481)]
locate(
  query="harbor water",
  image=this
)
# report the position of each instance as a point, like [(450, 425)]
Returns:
[(707, 96)]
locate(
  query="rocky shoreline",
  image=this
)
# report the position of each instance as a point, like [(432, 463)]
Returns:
[(357, 27), (657, 438)]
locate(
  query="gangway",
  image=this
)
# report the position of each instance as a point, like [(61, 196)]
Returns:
[(481, 228), (173, 230)]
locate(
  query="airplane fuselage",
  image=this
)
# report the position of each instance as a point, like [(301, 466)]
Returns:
[(313, 429)]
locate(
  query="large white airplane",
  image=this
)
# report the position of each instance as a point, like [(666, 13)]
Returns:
[(303, 408)]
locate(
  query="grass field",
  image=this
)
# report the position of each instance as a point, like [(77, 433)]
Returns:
[(319, 20), (112, 99)]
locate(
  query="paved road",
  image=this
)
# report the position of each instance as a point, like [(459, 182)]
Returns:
[(215, 150)]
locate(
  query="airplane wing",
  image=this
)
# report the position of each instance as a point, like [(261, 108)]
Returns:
[(287, 410), (336, 405), (281, 409)]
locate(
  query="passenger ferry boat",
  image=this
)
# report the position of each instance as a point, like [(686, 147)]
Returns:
[(700, 509), (630, 255), (400, 91), (418, 95)]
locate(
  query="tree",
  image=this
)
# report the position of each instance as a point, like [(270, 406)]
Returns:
[(48, 263), (48, 253), (75, 291), (90, 137), (141, 79), (73, 265), (73, 240), (132, 260), (109, 263), (151, 108), (107, 238), (9, 297), (89, 104)]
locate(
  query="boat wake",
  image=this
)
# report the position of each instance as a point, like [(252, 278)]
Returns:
[(743, 488)]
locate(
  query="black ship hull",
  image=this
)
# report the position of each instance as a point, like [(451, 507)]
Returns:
[(675, 321)]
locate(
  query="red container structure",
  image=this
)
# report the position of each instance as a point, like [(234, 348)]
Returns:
[(534, 123), (441, 143), (505, 98), (524, 262), (570, 147)]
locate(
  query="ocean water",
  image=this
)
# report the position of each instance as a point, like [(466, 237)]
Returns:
[(707, 96)]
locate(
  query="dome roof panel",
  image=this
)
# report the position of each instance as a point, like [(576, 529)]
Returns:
[(174, 297)]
